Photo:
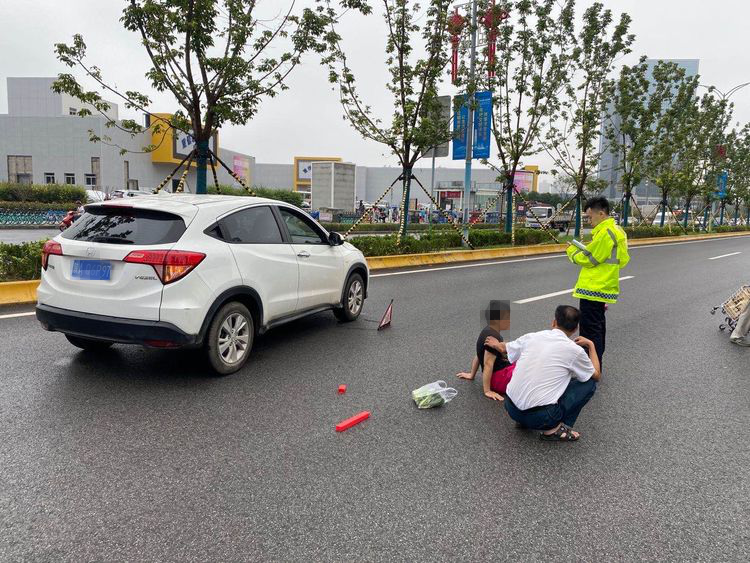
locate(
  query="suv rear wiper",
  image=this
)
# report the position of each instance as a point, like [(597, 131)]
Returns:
[(112, 240)]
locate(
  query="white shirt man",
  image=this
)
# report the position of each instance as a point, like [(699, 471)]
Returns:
[(554, 376)]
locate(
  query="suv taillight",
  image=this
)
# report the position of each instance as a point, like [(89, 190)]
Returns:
[(50, 247), (169, 265)]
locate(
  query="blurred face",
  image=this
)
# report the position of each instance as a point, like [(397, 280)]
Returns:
[(596, 216)]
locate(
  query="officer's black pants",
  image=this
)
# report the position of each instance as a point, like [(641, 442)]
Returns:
[(593, 325)]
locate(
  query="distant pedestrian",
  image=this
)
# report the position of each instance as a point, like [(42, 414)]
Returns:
[(599, 280)]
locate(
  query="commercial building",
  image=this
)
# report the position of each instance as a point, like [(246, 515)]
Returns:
[(609, 164), (43, 140)]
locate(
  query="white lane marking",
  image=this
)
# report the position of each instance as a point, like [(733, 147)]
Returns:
[(495, 263), (559, 255), (14, 315), (725, 255), (556, 293)]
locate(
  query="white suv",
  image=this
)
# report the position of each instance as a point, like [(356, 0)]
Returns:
[(170, 271)]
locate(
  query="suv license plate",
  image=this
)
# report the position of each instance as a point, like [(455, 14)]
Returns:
[(91, 270)]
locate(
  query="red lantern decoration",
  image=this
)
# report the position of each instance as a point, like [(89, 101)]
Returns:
[(455, 26), (491, 20)]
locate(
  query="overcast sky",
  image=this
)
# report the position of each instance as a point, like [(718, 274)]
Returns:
[(306, 120)]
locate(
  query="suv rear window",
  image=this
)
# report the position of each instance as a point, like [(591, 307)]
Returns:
[(117, 225)]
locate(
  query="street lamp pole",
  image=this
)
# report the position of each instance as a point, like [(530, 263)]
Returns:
[(470, 121)]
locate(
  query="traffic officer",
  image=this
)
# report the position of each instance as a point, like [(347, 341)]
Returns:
[(599, 280)]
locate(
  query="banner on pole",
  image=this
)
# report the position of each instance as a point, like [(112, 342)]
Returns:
[(482, 124), (721, 184), (482, 127), (460, 121)]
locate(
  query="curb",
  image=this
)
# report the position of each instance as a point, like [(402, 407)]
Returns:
[(18, 292), (451, 256)]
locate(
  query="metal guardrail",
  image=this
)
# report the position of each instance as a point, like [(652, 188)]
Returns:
[(30, 218)]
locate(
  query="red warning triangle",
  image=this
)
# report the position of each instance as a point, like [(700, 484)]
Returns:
[(385, 322)]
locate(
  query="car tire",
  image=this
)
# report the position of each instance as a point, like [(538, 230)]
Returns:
[(354, 300), (229, 339), (88, 343)]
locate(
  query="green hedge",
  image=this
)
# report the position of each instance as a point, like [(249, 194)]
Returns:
[(393, 227), (386, 245), (19, 262), (36, 206), (287, 196), (48, 193)]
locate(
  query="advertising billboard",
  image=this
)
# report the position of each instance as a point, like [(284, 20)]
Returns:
[(241, 167), (523, 180)]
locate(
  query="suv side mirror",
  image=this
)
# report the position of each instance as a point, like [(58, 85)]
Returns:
[(335, 239)]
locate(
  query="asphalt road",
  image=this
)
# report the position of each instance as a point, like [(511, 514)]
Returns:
[(15, 236), (143, 455)]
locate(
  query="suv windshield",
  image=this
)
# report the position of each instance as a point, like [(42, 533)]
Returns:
[(118, 225)]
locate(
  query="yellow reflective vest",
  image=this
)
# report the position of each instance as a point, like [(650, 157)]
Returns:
[(600, 263)]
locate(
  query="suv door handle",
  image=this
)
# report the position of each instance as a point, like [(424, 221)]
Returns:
[(303, 254)]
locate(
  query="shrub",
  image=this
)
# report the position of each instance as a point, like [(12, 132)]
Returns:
[(386, 245), (287, 196), (36, 206), (48, 193), (19, 262)]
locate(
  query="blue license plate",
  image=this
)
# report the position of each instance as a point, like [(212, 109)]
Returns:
[(91, 270)]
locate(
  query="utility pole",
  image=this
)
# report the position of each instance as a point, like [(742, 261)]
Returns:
[(470, 121)]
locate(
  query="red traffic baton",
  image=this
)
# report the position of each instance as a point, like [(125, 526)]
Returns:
[(349, 422)]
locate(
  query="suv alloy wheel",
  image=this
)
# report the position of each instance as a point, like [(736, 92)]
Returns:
[(230, 338), (354, 297)]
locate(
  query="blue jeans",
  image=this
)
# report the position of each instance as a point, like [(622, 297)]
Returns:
[(566, 410)]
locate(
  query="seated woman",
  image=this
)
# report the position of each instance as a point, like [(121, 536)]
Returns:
[(496, 370)]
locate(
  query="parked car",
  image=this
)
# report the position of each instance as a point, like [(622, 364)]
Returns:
[(118, 194), (204, 271), (95, 196)]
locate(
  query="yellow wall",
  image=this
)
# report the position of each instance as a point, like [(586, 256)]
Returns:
[(163, 140), (535, 170)]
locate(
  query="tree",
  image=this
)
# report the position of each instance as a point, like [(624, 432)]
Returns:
[(527, 74), (415, 55), (573, 131), (628, 128), (738, 167), (676, 97), (707, 122), (218, 58)]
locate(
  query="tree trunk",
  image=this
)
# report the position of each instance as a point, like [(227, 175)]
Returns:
[(626, 209), (577, 233), (202, 159), (663, 210), (406, 183), (509, 211), (705, 215), (687, 212)]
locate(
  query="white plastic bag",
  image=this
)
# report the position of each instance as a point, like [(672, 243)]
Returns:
[(434, 394)]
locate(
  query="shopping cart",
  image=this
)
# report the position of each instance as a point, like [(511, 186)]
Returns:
[(733, 307)]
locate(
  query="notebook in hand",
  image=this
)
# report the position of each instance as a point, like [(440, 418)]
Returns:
[(578, 244)]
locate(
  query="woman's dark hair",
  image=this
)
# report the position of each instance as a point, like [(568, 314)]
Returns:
[(598, 203)]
